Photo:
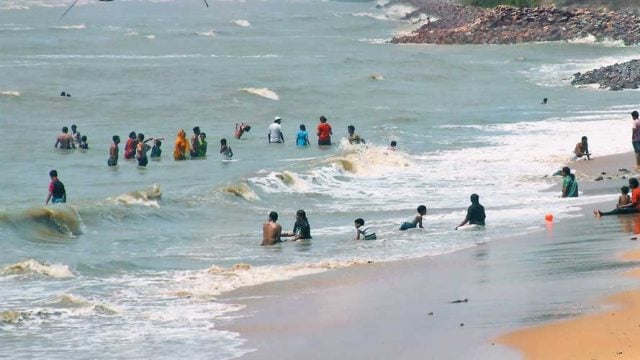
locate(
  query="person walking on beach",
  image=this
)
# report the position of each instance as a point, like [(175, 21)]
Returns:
[(631, 208), (274, 134), (366, 232), (271, 230), (301, 228), (302, 137), (353, 137), (241, 129), (181, 148), (475, 213), (582, 149), (324, 132), (635, 137), (113, 151), (417, 221), (65, 140), (569, 183), (130, 146), (195, 142), (57, 193)]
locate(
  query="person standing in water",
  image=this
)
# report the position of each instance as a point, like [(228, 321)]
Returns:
[(302, 137), (225, 150), (417, 221), (75, 135), (301, 228), (569, 183), (57, 193), (65, 140), (274, 134), (113, 151), (202, 147), (324, 132), (475, 213), (353, 137), (130, 146), (181, 148), (271, 230), (156, 151), (195, 142), (141, 150), (635, 137)]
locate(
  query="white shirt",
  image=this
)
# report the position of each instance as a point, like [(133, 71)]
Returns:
[(275, 133)]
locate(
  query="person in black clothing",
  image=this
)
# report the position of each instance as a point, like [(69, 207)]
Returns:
[(475, 213), (301, 229), (57, 194)]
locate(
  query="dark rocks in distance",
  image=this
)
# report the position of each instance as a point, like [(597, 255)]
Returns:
[(614, 77), (459, 24)]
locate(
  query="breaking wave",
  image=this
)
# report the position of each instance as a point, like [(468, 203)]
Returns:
[(264, 92), (31, 267)]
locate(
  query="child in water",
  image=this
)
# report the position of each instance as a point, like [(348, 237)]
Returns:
[(417, 221), (392, 146), (156, 152), (624, 198), (83, 143), (225, 150), (366, 232)]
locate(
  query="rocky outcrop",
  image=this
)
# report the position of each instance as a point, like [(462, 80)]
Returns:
[(614, 77), (508, 25)]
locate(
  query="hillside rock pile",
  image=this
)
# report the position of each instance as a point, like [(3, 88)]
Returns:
[(614, 77), (507, 25)]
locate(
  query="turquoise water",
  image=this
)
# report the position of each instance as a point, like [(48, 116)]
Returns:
[(122, 256)]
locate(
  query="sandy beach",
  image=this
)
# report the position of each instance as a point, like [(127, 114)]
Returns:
[(460, 305)]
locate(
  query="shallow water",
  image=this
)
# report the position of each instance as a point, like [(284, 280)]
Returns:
[(467, 119)]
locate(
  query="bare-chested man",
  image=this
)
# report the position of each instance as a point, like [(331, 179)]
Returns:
[(113, 151), (271, 230), (65, 140)]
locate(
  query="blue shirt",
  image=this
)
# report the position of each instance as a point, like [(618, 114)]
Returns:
[(302, 138)]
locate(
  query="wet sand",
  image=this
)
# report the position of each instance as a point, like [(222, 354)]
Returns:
[(410, 309)]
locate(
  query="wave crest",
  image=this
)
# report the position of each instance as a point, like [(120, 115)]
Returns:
[(264, 92), (31, 267)]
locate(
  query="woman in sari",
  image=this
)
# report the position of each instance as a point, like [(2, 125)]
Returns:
[(182, 147)]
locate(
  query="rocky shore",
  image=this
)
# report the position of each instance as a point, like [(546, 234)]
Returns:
[(458, 24), (614, 77)]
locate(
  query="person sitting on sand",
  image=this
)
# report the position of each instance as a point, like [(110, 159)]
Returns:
[(65, 140), (130, 146), (113, 151), (475, 213), (225, 150), (353, 137), (57, 193), (271, 230), (624, 198), (181, 148), (366, 232), (241, 129), (417, 221), (301, 228), (569, 183), (633, 207), (582, 149)]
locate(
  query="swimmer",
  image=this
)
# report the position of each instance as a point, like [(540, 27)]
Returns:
[(544, 101), (475, 213), (301, 228), (417, 221), (225, 150), (65, 140), (113, 151), (271, 230), (241, 129), (366, 232), (392, 146), (57, 193), (274, 134)]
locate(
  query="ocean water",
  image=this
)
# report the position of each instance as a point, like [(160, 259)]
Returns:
[(138, 256)]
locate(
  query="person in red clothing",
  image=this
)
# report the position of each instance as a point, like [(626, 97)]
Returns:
[(57, 194), (324, 132), (130, 146), (633, 207)]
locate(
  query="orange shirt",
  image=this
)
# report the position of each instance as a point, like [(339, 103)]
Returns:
[(635, 197), (324, 132)]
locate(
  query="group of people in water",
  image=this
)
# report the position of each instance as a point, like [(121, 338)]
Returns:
[(71, 141), (272, 231)]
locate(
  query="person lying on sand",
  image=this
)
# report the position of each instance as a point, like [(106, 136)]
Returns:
[(632, 208)]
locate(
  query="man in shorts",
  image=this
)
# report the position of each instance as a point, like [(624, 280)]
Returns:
[(635, 137), (65, 140), (57, 194)]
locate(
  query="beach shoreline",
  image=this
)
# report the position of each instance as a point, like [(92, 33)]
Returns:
[(429, 307)]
